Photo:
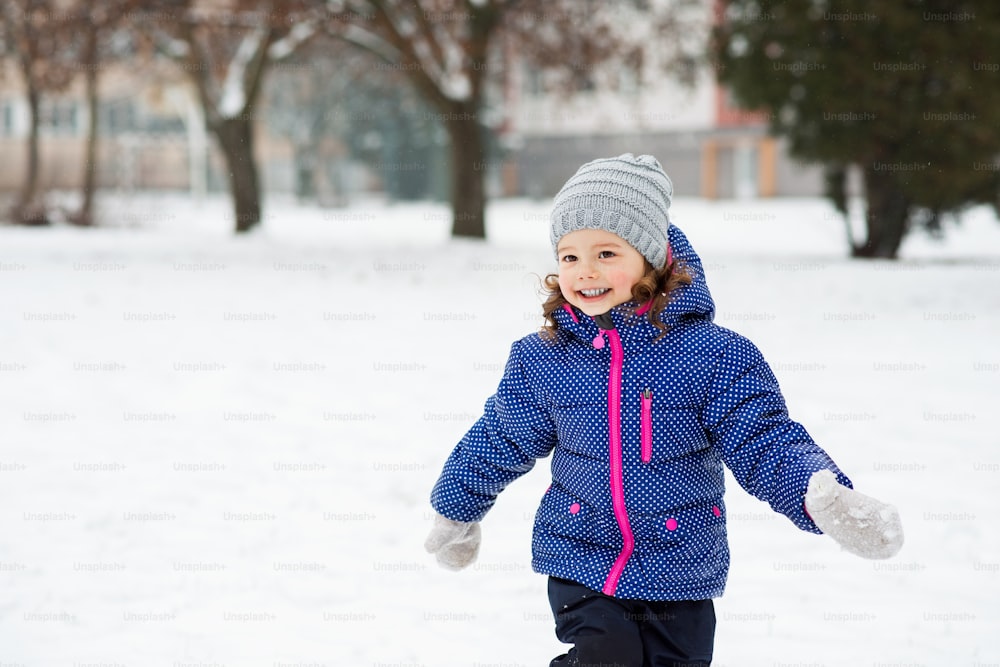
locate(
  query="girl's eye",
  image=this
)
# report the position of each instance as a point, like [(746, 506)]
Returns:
[(569, 258), (607, 254)]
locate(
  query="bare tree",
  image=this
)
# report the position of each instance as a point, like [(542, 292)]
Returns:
[(94, 24), (327, 105), (225, 47), (452, 51), (91, 25), (37, 33), (301, 99)]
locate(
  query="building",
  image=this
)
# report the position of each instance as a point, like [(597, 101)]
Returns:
[(152, 136), (707, 146)]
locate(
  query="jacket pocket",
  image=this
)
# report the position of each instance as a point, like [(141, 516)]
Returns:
[(646, 425), (678, 432), (565, 526), (686, 548)]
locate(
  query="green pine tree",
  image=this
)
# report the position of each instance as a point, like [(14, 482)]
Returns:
[(906, 91)]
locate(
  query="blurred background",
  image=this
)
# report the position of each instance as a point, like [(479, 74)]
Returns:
[(261, 263)]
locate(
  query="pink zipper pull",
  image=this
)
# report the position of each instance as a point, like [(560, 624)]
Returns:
[(646, 426), (598, 341)]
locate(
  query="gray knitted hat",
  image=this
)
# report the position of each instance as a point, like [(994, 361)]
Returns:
[(626, 195)]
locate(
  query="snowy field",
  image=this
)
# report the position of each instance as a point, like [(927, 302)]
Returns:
[(218, 450)]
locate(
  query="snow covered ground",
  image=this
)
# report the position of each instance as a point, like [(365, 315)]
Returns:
[(218, 450)]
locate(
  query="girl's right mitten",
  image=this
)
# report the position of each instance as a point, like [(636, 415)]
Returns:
[(454, 543)]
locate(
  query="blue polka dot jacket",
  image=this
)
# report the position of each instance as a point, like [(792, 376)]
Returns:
[(638, 431)]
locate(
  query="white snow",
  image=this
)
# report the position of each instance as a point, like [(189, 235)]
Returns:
[(233, 97), (451, 79), (371, 42), (218, 450), (286, 46), (454, 80)]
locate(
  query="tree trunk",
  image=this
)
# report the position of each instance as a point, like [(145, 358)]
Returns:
[(886, 216), (28, 210), (30, 191), (235, 137), (468, 171), (85, 216)]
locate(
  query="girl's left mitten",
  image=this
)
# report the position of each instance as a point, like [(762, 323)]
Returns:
[(861, 524), (454, 543)]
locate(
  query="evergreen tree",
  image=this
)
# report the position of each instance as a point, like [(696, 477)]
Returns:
[(907, 92)]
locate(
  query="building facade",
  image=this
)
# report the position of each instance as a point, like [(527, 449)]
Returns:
[(152, 136), (707, 146)]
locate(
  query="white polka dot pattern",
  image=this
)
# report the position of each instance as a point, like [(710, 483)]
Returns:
[(714, 400)]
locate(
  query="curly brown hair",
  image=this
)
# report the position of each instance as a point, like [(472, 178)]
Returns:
[(655, 284)]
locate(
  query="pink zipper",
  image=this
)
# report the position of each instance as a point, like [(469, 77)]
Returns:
[(646, 425), (617, 477)]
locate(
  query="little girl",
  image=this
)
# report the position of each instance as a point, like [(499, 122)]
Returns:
[(640, 398)]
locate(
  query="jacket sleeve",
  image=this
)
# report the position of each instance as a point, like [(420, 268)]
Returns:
[(770, 455), (515, 430)]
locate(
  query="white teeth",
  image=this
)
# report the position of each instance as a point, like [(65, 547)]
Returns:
[(594, 292)]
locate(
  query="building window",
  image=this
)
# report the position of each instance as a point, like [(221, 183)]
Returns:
[(583, 79), (6, 119), (630, 74), (533, 85), (118, 116), (745, 160), (58, 117)]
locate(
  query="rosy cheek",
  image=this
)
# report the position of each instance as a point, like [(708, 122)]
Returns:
[(619, 280)]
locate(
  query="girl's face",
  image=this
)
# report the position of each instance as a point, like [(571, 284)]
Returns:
[(597, 270)]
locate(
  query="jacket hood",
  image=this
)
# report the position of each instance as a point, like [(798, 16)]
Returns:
[(688, 301)]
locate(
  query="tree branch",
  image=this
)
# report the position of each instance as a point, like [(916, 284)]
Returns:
[(427, 30), (392, 49), (254, 73)]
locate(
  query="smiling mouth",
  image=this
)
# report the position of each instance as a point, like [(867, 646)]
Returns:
[(596, 293)]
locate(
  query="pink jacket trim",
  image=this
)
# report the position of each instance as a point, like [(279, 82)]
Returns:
[(617, 476)]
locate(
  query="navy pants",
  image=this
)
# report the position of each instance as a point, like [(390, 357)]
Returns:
[(608, 632)]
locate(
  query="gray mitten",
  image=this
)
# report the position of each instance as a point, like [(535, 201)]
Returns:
[(860, 524), (454, 543)]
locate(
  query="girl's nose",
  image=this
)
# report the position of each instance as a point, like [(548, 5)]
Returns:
[(585, 270)]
